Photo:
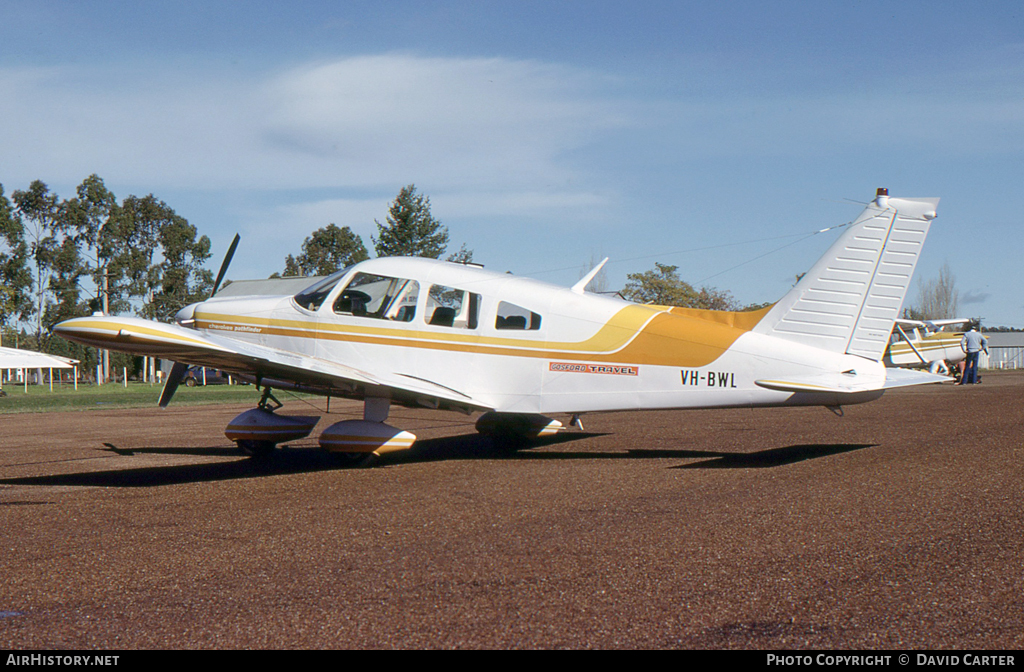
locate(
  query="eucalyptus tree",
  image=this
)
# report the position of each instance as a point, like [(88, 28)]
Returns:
[(130, 241), (15, 278), (155, 258), (327, 250), (39, 207), (84, 219), (180, 278), (938, 298), (64, 301), (663, 286)]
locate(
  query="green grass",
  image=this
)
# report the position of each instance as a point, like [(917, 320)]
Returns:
[(40, 399)]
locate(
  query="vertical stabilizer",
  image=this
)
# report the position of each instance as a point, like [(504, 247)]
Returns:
[(850, 299)]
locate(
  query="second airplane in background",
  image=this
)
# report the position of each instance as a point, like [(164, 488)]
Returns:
[(929, 344)]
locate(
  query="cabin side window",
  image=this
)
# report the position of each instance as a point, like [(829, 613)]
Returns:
[(450, 307), (379, 297), (511, 316)]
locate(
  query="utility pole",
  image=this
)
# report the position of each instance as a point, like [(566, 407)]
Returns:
[(106, 311)]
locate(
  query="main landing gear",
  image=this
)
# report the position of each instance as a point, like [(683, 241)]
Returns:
[(354, 442), (259, 430), (512, 431)]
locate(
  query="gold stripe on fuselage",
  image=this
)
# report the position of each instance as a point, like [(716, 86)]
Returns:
[(635, 335), (924, 345)]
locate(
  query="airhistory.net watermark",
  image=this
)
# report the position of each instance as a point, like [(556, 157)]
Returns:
[(55, 660)]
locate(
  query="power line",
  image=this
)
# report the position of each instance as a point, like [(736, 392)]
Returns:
[(662, 255)]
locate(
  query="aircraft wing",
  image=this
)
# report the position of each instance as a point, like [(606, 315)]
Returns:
[(276, 367), (933, 323), (939, 324)]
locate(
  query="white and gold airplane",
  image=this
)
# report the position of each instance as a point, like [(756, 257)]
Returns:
[(425, 333), (926, 344)]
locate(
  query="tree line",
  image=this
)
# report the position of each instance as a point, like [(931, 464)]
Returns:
[(64, 258)]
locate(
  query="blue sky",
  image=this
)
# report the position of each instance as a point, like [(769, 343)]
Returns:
[(713, 136)]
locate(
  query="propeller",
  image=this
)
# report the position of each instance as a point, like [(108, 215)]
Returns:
[(177, 373), (224, 265)]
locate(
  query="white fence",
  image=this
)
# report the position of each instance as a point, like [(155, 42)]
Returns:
[(1003, 357)]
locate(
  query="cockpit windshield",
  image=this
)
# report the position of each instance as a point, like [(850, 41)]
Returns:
[(313, 296)]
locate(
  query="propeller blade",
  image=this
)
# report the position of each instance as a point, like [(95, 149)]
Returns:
[(177, 373), (224, 265), (174, 379)]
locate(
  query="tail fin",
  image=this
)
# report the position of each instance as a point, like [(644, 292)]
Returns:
[(850, 299)]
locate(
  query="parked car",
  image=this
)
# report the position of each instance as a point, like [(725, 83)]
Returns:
[(203, 375)]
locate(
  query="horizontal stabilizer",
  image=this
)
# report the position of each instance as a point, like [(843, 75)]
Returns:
[(896, 377), (834, 383)]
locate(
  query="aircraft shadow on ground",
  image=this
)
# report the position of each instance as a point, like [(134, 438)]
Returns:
[(226, 451), (476, 447), (282, 462), (772, 457), (464, 447)]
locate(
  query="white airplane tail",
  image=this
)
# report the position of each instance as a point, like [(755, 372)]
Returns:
[(850, 299)]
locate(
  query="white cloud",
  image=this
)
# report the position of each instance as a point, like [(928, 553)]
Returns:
[(357, 122), (468, 122)]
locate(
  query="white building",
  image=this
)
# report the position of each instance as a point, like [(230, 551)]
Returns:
[(1005, 351)]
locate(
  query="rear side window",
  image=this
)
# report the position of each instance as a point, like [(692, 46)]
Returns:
[(511, 316), (450, 307)]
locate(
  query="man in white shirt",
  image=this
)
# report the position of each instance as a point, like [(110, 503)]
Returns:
[(972, 343)]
